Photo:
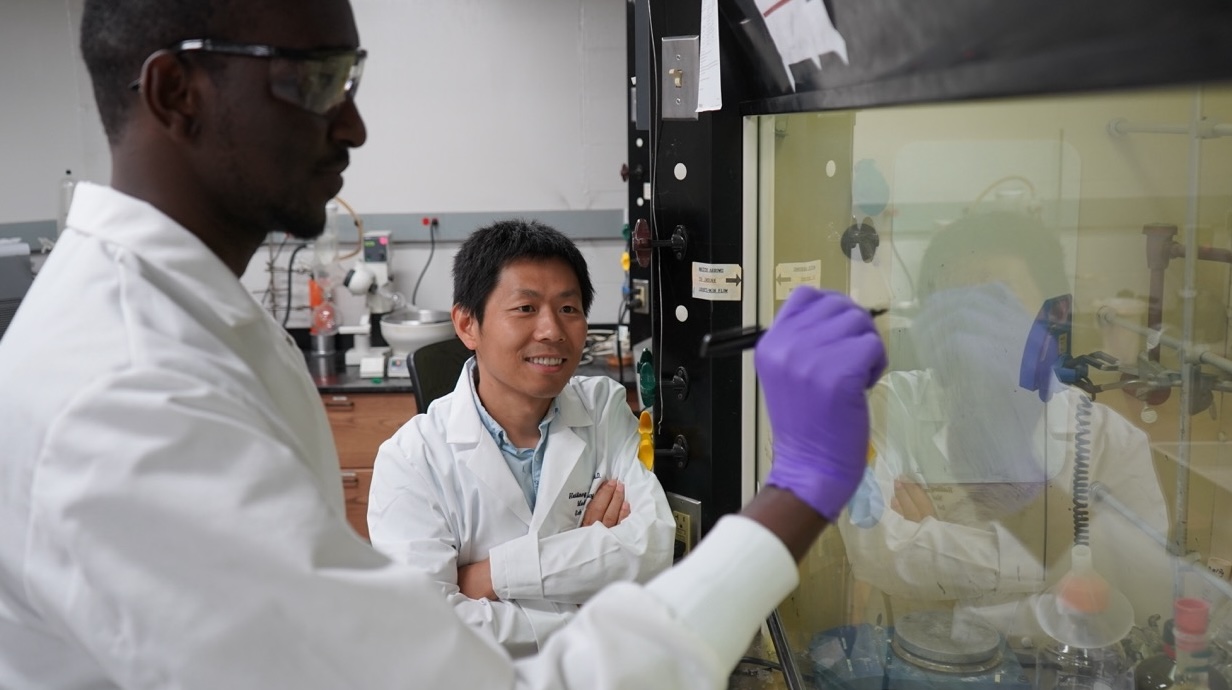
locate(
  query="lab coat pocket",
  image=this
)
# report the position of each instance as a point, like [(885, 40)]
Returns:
[(579, 500)]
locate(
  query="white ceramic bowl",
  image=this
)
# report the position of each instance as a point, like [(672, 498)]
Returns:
[(407, 331)]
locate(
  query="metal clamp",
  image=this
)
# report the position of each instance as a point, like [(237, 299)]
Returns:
[(680, 383), (643, 243), (679, 452)]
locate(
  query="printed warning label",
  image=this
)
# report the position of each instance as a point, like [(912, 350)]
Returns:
[(717, 282), (788, 276)]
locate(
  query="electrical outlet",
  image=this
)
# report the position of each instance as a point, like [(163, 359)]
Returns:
[(688, 514), (639, 298)]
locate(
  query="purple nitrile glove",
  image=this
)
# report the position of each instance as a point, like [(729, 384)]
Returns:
[(814, 365)]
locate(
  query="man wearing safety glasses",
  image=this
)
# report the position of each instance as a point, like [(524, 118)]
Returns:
[(172, 513), (315, 80)]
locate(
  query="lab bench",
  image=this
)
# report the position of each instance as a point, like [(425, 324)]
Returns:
[(344, 379)]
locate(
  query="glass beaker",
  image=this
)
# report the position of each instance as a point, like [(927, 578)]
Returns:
[(1058, 665)]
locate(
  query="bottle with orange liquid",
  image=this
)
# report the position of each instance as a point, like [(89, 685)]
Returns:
[(324, 328)]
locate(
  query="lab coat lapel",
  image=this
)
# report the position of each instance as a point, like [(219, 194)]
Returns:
[(185, 270), (564, 450), (474, 449), (278, 363), (296, 393)]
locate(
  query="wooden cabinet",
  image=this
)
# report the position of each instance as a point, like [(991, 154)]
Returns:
[(355, 487), (361, 422)]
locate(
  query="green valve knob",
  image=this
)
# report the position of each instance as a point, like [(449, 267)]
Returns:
[(624, 232), (647, 381)]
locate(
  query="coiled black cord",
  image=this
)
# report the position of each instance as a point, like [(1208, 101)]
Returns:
[(1082, 472)]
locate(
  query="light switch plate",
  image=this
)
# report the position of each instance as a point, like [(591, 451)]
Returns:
[(679, 77)]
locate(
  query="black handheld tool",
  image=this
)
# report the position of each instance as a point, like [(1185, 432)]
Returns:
[(737, 340)]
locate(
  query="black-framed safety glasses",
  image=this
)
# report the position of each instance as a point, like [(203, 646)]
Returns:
[(315, 80)]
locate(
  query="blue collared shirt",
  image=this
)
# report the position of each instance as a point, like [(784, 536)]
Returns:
[(526, 464)]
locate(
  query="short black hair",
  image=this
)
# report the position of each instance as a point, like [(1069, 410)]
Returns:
[(1001, 233), (118, 35), (485, 253)]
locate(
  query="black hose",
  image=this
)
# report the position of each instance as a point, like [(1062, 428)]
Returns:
[(765, 663), (424, 272), (286, 316)]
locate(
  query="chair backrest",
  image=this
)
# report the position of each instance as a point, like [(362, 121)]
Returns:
[(435, 368), (16, 276)]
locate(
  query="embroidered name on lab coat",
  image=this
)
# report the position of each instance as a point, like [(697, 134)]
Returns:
[(582, 498)]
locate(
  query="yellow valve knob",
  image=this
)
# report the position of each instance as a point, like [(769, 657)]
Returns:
[(645, 448), (624, 261)]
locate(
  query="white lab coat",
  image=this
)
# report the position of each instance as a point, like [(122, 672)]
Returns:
[(992, 568), (171, 513), (443, 497)]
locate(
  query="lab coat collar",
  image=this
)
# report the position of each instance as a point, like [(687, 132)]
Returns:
[(1057, 423), (164, 246), (565, 449), (923, 393), (926, 399), (464, 425), (480, 454)]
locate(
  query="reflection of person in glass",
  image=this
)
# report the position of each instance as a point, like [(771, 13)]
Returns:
[(968, 501)]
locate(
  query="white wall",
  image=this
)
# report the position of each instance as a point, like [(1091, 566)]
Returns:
[(48, 122), (517, 105), (493, 106), (504, 107)]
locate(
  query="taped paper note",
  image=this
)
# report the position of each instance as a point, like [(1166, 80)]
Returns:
[(717, 282), (801, 30), (709, 81), (787, 276)]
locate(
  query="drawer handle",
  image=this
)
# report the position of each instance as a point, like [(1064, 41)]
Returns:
[(342, 404), (350, 480)]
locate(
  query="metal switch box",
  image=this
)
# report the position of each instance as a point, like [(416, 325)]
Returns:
[(679, 77)]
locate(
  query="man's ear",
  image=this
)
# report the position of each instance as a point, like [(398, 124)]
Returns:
[(171, 95), (465, 325)]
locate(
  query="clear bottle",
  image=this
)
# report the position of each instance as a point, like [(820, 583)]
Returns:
[(1220, 640), (1193, 657), (325, 248), (1155, 672), (324, 328), (1159, 672), (68, 184)]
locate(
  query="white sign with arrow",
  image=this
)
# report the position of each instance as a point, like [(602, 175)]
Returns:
[(788, 276), (717, 282)]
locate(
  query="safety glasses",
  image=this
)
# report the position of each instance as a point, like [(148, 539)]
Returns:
[(316, 80)]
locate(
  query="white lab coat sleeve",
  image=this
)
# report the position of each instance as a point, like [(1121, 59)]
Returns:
[(571, 566), (687, 629), (177, 539), (196, 551), (408, 521), (933, 559)]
